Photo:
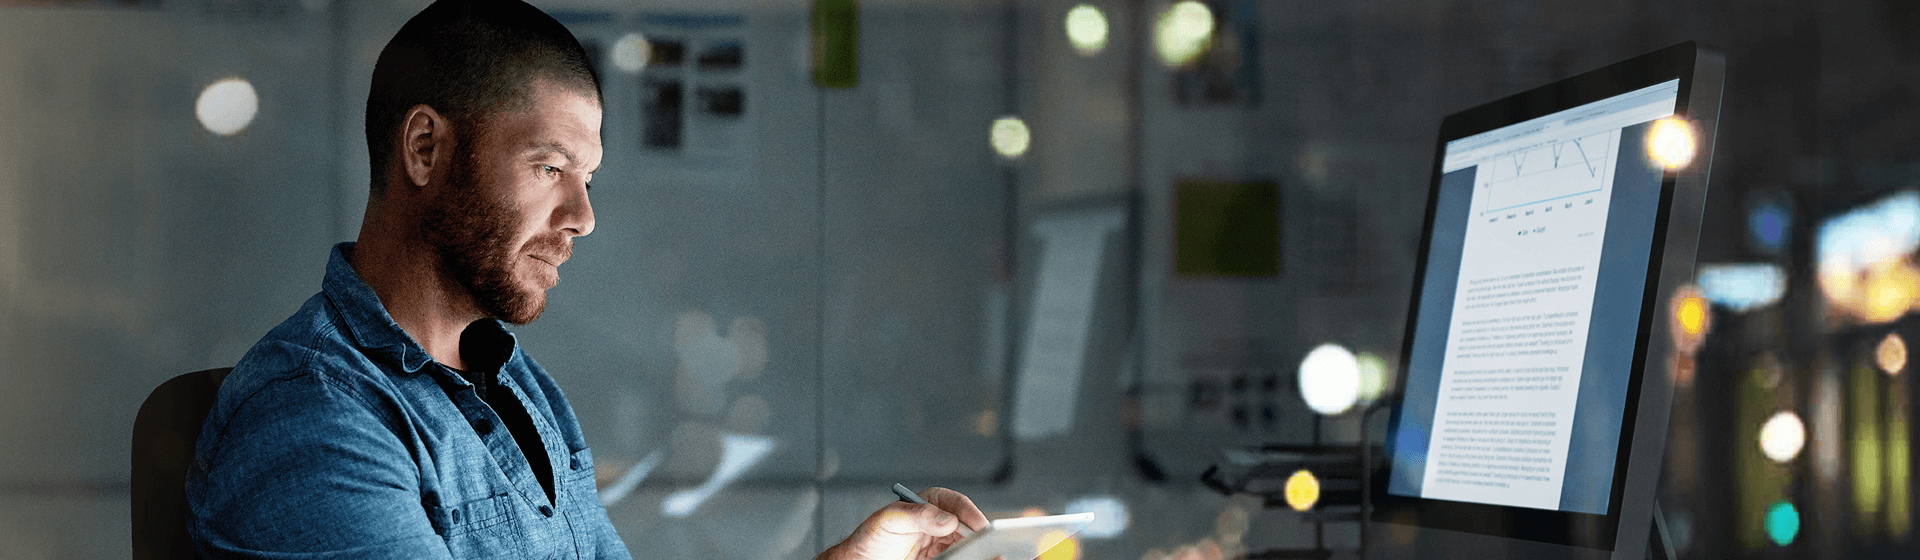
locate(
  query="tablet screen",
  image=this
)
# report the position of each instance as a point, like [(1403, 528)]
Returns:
[(1524, 345)]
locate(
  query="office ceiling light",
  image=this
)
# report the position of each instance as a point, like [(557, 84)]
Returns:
[(1330, 379), (1183, 32), (227, 106), (1087, 29)]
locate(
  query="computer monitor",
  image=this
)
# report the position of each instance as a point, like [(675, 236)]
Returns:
[(1533, 412)]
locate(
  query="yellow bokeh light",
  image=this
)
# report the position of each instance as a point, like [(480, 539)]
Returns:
[(1183, 32), (1670, 143), (1058, 546), (1010, 137), (1889, 290), (1303, 490), (1087, 30), (1891, 354), (1692, 313)]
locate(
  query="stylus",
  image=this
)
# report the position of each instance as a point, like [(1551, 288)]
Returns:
[(909, 497)]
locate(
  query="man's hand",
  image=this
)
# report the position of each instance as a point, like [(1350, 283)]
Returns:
[(903, 531)]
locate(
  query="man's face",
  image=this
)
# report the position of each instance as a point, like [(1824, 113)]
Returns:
[(516, 196)]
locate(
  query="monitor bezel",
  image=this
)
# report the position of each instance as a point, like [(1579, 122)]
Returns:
[(1700, 71)]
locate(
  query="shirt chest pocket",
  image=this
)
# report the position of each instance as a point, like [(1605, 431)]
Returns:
[(482, 528)]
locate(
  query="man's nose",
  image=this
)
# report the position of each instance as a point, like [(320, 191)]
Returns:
[(575, 214)]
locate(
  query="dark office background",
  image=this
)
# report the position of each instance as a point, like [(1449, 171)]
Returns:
[(810, 242)]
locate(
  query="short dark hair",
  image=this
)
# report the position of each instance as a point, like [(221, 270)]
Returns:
[(468, 59)]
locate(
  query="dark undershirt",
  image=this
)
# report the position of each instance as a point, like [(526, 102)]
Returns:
[(485, 348)]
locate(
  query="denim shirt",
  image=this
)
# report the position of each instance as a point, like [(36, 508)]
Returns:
[(338, 436)]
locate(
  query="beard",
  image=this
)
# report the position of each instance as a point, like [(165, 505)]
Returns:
[(472, 234)]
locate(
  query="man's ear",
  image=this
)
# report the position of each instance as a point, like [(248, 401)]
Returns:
[(426, 141)]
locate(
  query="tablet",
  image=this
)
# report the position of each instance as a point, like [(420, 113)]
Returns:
[(1017, 538), (1533, 414)]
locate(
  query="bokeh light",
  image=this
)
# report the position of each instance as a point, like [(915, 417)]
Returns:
[(1067, 548), (1376, 377), (1087, 30), (1670, 143), (1888, 291), (1691, 314), (1769, 224), (1743, 287), (1302, 490), (227, 106), (1783, 523), (1010, 137), (1109, 516), (1330, 379), (1783, 436), (1183, 32), (631, 52), (1865, 266), (1891, 355)]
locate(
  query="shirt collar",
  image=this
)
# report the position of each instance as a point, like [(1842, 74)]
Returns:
[(373, 330)]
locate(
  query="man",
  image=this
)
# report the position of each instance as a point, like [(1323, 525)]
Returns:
[(394, 416)]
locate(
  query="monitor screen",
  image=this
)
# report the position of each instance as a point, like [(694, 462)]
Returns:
[(1557, 222), (1519, 381)]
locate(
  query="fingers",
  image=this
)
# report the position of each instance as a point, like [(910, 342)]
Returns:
[(958, 504), (902, 518)]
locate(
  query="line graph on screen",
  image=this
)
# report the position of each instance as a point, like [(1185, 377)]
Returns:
[(1556, 170)]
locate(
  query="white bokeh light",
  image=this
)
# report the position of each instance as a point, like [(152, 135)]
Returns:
[(1330, 379), (631, 52), (227, 106), (1010, 137), (1087, 29), (1782, 437), (1183, 32)]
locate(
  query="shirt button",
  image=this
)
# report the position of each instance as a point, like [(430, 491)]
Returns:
[(484, 426), (574, 464), (546, 510), (456, 516)]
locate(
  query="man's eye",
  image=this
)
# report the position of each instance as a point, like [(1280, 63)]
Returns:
[(550, 170)]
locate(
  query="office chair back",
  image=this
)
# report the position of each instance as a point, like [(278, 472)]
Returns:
[(163, 436)]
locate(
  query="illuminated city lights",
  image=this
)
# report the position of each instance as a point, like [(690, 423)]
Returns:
[(1783, 523), (1783, 436), (1330, 379), (1010, 137), (1891, 355), (1087, 30), (1670, 143), (1375, 376), (227, 106), (1743, 287), (1183, 32), (1109, 516), (631, 52), (1302, 490)]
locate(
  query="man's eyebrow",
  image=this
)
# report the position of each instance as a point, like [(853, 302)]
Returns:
[(551, 147)]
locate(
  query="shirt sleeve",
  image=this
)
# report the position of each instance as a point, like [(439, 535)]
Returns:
[(303, 469)]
